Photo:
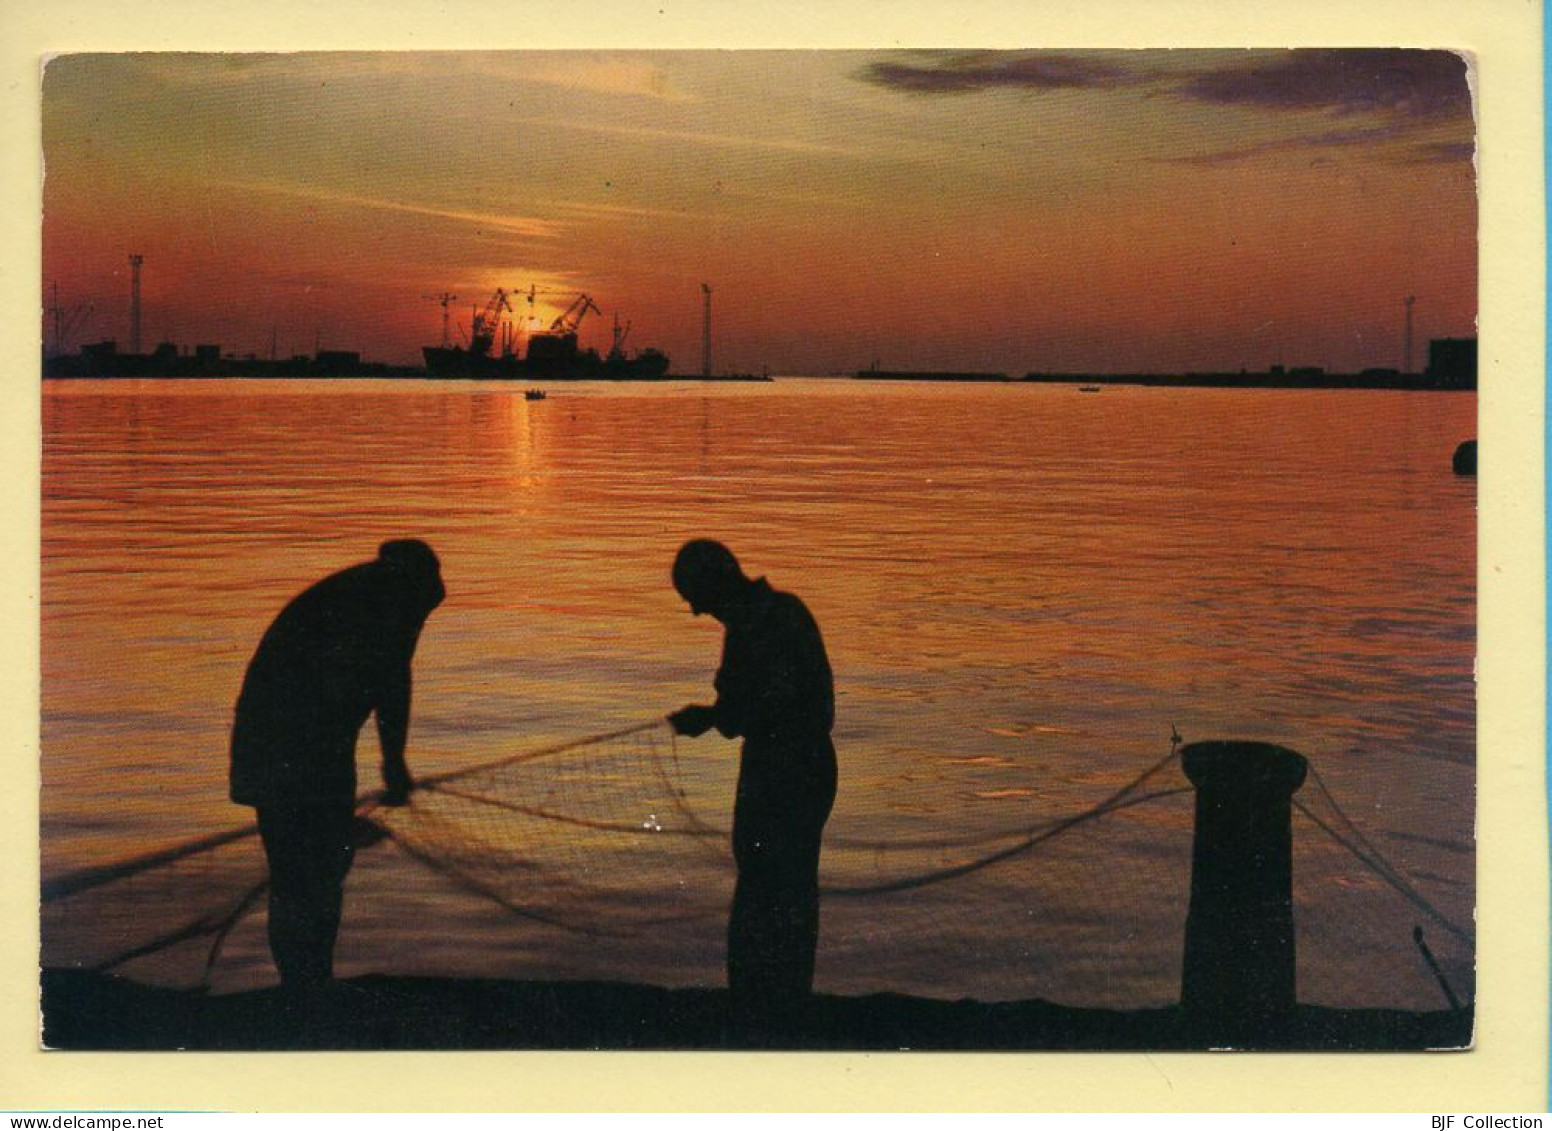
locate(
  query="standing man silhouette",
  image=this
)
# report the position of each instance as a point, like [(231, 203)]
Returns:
[(340, 651), (775, 689)]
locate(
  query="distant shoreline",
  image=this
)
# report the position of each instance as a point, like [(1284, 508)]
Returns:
[(1410, 382), (1292, 379), (1328, 381), (394, 373)]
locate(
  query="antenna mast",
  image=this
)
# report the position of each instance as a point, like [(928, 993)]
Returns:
[(134, 302), (706, 333), (1406, 349), (442, 300)]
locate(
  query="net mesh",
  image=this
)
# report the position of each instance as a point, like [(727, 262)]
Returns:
[(159, 918), (609, 857)]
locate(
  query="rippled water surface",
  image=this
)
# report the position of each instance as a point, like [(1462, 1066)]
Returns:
[(1022, 589)]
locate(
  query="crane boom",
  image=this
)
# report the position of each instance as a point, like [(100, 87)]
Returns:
[(571, 320), (487, 322)]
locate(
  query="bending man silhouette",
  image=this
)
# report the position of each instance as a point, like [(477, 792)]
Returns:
[(774, 688), (337, 653)]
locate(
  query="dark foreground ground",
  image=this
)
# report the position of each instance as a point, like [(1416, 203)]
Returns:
[(87, 1011)]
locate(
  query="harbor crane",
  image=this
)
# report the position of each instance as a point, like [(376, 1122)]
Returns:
[(482, 332), (571, 320), (65, 322), (568, 321)]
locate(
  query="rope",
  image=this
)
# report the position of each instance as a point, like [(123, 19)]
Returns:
[(225, 929), (86, 878), (1375, 860), (435, 780), (1383, 870), (1111, 804)]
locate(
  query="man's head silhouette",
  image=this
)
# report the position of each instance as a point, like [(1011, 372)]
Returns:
[(708, 576), (415, 562)]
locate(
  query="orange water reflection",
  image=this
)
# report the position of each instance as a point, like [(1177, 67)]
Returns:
[(1022, 589)]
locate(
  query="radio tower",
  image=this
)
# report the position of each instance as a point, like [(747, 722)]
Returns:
[(1406, 349), (134, 302), (442, 300), (706, 333)]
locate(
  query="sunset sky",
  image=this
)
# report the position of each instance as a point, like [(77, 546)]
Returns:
[(1079, 211)]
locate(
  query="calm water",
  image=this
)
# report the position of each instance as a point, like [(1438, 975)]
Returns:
[(1022, 590)]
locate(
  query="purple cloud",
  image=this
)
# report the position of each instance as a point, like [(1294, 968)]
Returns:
[(988, 70), (1372, 96), (1394, 82)]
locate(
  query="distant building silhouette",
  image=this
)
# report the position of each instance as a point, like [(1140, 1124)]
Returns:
[(1452, 362)]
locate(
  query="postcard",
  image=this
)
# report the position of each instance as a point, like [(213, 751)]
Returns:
[(762, 548)]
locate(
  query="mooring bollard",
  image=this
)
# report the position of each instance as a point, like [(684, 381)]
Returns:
[(1239, 985)]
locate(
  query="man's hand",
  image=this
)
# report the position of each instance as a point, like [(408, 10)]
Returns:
[(694, 720)]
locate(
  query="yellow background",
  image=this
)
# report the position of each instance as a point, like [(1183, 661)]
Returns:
[(1506, 1072)]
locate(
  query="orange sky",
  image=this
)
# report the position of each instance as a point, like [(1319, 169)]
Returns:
[(1098, 211)]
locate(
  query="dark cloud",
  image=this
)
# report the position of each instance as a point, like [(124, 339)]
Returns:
[(1371, 97), (1396, 82), (983, 70), (1412, 84)]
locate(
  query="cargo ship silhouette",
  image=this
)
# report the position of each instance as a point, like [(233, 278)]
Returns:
[(553, 353)]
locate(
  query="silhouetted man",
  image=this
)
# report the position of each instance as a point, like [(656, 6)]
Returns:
[(337, 653), (774, 688)]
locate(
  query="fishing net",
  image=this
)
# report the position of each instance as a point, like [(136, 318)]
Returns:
[(609, 858), (159, 917)]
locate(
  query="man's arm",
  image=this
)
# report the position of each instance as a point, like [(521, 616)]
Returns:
[(727, 713), (736, 689), (393, 728)]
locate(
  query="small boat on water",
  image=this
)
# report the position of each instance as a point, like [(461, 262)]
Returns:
[(534, 394), (1088, 388)]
